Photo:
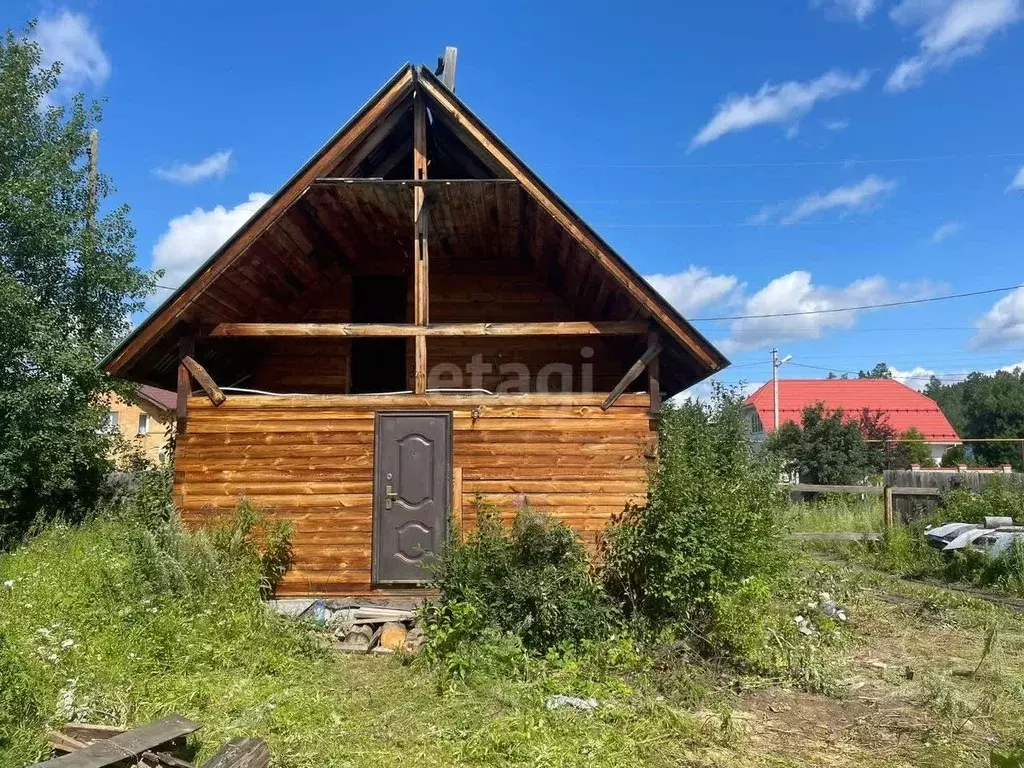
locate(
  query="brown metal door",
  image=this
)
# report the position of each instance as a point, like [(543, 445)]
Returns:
[(411, 485)]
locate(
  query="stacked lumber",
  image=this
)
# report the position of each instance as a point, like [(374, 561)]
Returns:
[(154, 745)]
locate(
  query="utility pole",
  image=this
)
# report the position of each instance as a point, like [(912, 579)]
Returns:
[(776, 364), (775, 387)]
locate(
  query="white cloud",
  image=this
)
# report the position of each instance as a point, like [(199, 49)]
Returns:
[(192, 238), (861, 196), (68, 38), (210, 167), (1003, 324), (837, 125), (948, 30), (797, 293), (946, 230), (1018, 180), (915, 378), (779, 104), (858, 10), (694, 288)]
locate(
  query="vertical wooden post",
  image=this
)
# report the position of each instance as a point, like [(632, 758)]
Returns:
[(888, 507), (421, 271), (457, 511), (653, 377), (186, 348)]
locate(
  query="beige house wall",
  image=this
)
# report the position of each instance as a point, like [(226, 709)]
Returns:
[(149, 435)]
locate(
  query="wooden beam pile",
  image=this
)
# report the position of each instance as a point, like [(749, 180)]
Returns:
[(154, 745)]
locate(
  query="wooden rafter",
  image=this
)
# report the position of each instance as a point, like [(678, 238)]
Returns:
[(204, 380), (631, 375), (332, 330), (186, 348)]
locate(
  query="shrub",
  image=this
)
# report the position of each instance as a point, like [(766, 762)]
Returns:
[(532, 580), (713, 518)]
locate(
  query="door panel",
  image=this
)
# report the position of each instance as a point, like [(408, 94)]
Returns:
[(412, 478)]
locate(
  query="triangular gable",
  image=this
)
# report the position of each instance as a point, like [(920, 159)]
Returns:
[(663, 312), (322, 163), (364, 139)]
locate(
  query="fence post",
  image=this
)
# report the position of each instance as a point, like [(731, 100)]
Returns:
[(888, 507)]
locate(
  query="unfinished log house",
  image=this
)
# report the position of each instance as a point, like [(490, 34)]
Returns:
[(415, 321)]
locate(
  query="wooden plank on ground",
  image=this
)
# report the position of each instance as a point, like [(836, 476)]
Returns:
[(241, 753), (127, 745), (836, 536)]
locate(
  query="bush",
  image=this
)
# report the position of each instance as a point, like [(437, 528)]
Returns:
[(532, 580), (713, 519)]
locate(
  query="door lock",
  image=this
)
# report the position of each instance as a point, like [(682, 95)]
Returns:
[(389, 496)]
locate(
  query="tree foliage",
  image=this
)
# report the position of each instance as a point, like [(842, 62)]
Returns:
[(826, 448), (982, 406), (67, 291), (880, 371)]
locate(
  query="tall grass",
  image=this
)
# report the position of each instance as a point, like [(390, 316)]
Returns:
[(837, 513)]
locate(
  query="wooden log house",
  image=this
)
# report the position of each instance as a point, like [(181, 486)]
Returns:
[(415, 321)]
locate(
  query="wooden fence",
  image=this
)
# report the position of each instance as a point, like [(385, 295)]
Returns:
[(891, 496), (911, 507)]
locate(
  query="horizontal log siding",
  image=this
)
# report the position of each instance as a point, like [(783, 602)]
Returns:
[(309, 460)]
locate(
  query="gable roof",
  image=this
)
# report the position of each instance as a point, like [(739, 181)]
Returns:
[(904, 407), (689, 357), (159, 398)]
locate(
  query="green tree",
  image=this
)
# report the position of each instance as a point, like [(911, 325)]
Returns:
[(67, 291), (880, 440), (986, 406), (880, 371), (826, 448), (955, 456), (914, 450)]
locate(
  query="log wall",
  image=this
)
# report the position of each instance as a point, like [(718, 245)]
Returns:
[(309, 460)]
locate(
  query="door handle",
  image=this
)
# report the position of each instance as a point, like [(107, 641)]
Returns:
[(389, 496)]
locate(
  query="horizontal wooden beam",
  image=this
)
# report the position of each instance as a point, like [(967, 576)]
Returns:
[(617, 328), (873, 490), (334, 181)]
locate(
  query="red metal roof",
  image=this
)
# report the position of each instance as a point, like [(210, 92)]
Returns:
[(904, 406)]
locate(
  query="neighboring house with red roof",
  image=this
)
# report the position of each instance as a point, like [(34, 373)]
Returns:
[(904, 407), (146, 421)]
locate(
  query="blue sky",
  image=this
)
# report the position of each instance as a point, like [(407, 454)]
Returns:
[(752, 157)]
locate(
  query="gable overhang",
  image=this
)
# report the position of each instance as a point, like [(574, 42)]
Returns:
[(343, 140), (687, 346)]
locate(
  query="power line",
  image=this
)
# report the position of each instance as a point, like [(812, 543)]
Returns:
[(937, 374), (882, 305), (788, 164)]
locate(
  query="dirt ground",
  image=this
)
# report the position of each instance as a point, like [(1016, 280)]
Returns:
[(912, 692)]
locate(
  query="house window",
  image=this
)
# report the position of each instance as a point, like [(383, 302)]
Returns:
[(110, 421), (143, 424)]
